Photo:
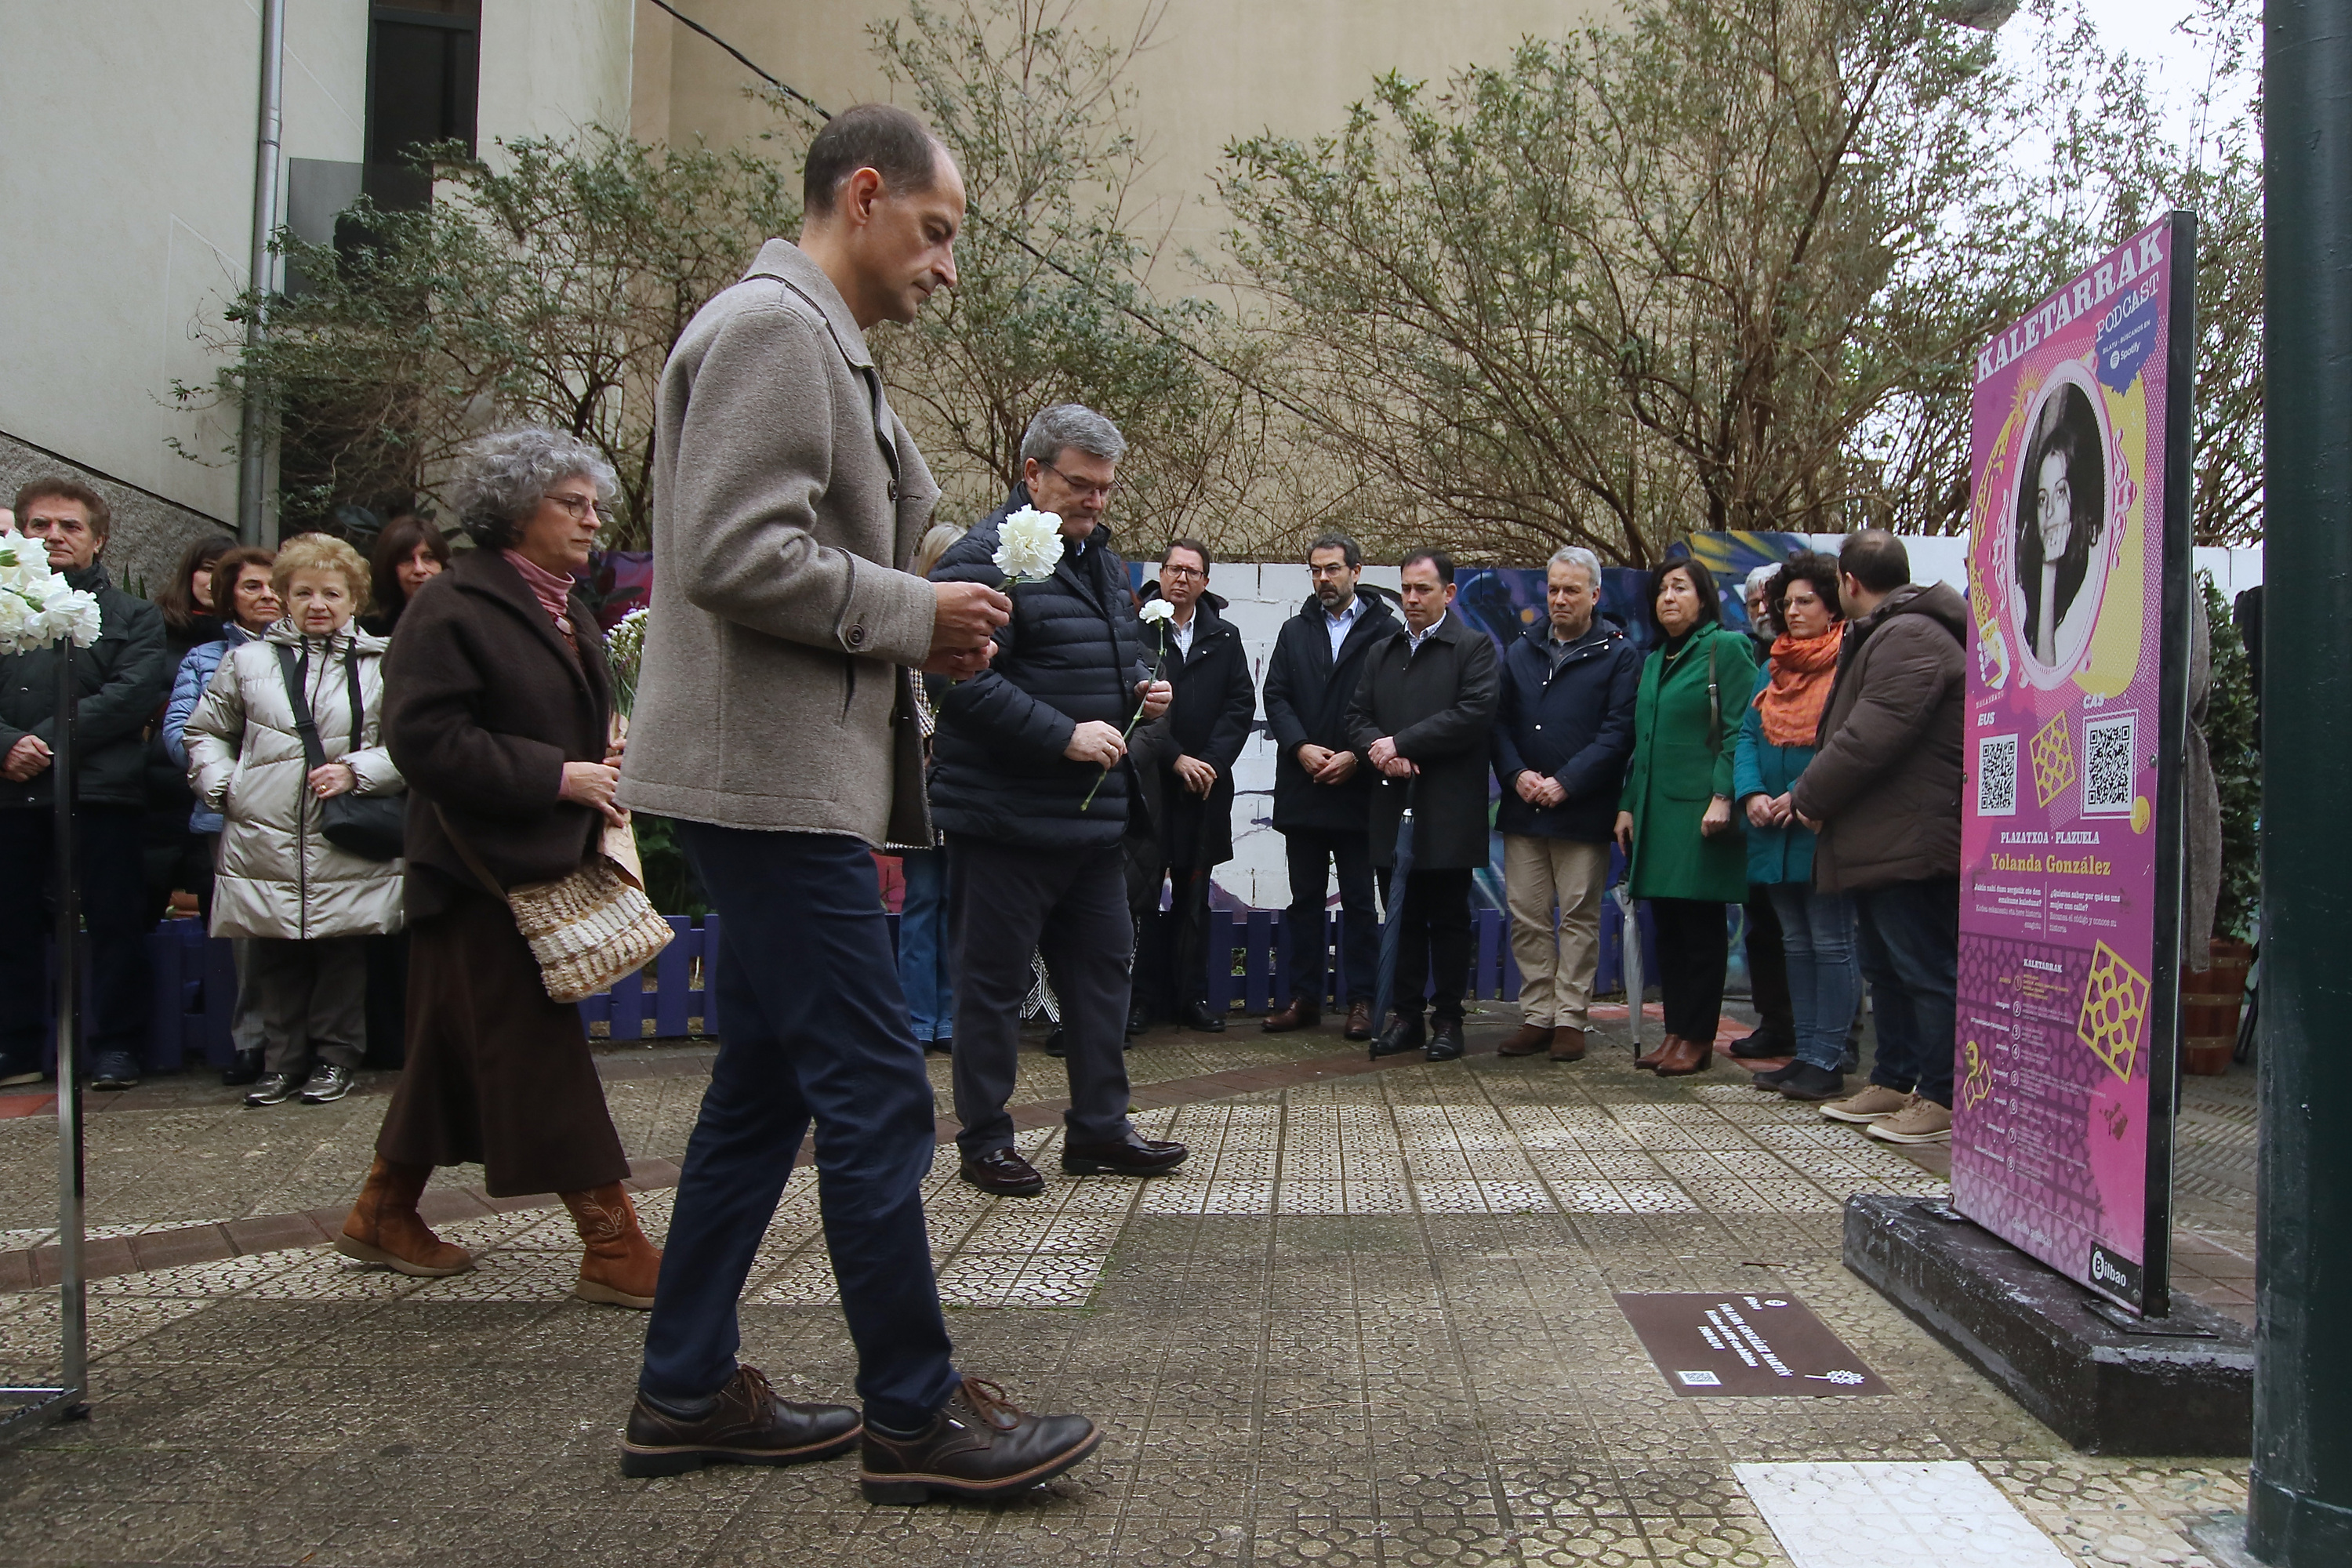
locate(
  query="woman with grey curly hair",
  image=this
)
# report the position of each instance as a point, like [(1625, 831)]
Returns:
[(498, 710)]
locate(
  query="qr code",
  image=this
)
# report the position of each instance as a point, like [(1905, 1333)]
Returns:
[(1699, 1380), (1996, 776), (2110, 743)]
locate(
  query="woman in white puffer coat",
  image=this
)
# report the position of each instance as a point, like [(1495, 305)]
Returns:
[(308, 903)]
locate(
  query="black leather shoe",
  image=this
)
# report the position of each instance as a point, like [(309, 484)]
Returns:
[(242, 1069), (1003, 1173), (1445, 1040), (979, 1447), (1138, 1018), (1198, 1016), (747, 1424), (1136, 1157), (1808, 1082), (1403, 1034), (1772, 1077), (1759, 1045), (1053, 1046)]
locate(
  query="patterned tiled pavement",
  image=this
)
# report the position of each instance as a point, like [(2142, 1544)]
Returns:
[(1370, 1322)]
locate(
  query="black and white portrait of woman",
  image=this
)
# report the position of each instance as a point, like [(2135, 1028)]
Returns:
[(2060, 505)]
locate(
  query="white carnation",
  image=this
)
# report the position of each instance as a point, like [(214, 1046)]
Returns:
[(1157, 610), (37, 606), (1029, 546), (77, 616)]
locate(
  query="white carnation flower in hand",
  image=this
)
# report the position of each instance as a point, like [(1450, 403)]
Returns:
[(1028, 546), (1156, 610)]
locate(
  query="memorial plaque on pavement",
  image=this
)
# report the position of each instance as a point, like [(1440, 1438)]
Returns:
[(1739, 1344)]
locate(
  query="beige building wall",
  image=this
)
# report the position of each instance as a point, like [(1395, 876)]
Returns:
[(552, 67), (1218, 69)]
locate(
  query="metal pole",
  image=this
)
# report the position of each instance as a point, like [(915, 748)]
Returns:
[(253, 436), (2299, 1495), (73, 1310)]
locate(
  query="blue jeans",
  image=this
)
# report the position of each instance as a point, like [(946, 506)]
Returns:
[(812, 1026), (1817, 941), (1909, 943), (923, 969)]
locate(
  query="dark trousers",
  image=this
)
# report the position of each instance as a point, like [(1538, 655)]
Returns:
[(1768, 967), (1908, 939), (1311, 852), (114, 913), (1148, 986), (813, 1026), (1694, 944), (1433, 948), (1006, 902), (1188, 963)]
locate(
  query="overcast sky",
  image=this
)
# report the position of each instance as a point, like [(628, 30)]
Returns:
[(2177, 66)]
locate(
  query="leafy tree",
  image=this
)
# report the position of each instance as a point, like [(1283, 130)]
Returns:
[(549, 287), (2234, 741)]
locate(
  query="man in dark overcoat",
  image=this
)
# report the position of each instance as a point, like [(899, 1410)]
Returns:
[(1322, 791), (1421, 717), (1209, 722), (1029, 786)]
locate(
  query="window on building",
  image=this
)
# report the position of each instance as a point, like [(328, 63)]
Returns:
[(424, 66)]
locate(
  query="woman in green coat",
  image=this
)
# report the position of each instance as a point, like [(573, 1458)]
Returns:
[(1675, 820)]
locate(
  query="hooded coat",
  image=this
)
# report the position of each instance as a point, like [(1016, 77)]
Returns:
[(1307, 696), (1573, 723), (1886, 784), (277, 875), (1070, 654), (1209, 719)]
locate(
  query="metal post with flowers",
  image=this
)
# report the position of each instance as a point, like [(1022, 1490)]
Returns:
[(37, 609)]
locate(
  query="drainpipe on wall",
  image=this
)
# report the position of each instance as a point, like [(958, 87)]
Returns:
[(253, 442)]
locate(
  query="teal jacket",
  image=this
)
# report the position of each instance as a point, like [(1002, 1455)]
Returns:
[(1683, 739), (1759, 767)]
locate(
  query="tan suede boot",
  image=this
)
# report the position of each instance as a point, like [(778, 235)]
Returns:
[(384, 1227), (620, 1265)]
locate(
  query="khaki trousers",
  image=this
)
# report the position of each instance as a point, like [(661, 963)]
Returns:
[(1557, 964)]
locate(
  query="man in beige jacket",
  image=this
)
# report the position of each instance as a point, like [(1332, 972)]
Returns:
[(775, 721)]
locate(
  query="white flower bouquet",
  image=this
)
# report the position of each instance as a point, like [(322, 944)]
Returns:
[(1028, 546), (36, 607), (625, 651)]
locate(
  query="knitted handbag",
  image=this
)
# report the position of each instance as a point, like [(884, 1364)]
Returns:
[(587, 928)]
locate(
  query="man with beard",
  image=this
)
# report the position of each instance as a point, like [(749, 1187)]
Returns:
[(1321, 789)]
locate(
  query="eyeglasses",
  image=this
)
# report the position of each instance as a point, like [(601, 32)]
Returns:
[(1083, 489), (582, 508), (1184, 573), (1330, 569)]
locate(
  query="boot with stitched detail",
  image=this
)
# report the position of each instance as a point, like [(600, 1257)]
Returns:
[(384, 1227), (979, 1447), (619, 1266)]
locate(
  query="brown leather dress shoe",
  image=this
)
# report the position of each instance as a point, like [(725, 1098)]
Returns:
[(1302, 1014), (1136, 1157), (747, 1424), (1359, 1020), (1531, 1038), (978, 1447), (1003, 1173), (1649, 1058), (1688, 1056), (1566, 1043)]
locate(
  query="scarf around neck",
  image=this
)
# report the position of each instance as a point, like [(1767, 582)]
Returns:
[(1804, 671), (553, 591)]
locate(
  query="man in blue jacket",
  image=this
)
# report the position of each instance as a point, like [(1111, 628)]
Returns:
[(1027, 782), (1561, 740)]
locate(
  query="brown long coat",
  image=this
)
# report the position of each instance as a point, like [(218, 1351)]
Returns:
[(484, 706)]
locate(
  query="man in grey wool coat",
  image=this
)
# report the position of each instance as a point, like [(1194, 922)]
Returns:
[(775, 721)]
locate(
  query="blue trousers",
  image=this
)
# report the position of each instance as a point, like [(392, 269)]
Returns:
[(1909, 943), (1817, 947), (923, 968), (811, 1027)]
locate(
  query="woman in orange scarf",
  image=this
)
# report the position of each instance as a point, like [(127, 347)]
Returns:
[(1776, 743)]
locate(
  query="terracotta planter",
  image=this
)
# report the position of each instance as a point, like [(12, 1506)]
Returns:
[(2210, 999)]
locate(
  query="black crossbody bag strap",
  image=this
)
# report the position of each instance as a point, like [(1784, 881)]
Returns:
[(304, 725)]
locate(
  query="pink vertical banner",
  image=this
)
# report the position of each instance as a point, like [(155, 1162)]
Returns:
[(2078, 584)]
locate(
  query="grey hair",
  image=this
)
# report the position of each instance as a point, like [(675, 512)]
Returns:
[(1760, 581), (1577, 555), (504, 476), (1071, 424)]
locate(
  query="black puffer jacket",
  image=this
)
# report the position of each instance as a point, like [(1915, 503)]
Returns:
[(123, 680), (1209, 719), (1070, 654), (1306, 693)]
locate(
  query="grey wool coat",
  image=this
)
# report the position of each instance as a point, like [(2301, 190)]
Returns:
[(788, 500)]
